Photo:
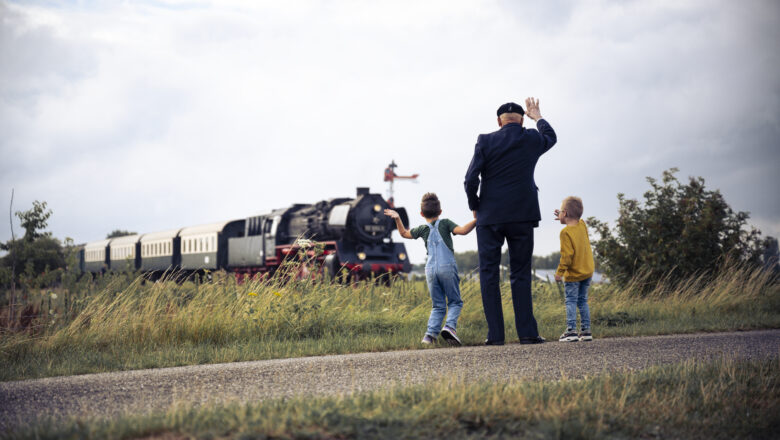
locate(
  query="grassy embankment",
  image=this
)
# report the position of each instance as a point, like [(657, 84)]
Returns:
[(128, 324), (719, 399)]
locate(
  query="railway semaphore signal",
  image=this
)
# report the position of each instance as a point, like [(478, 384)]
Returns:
[(390, 177)]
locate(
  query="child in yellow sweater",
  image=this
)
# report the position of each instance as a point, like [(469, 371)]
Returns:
[(575, 269)]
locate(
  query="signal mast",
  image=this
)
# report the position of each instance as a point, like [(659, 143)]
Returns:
[(390, 177)]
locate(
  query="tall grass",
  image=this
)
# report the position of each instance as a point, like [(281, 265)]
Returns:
[(128, 323), (722, 399)]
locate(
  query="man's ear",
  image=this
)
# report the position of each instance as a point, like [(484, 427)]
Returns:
[(499, 121), (421, 213)]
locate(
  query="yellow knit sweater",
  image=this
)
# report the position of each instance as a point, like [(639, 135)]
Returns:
[(576, 255)]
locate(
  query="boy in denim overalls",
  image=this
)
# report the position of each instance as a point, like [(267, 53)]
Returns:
[(441, 272)]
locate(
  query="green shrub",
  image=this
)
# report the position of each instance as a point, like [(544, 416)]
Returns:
[(681, 230)]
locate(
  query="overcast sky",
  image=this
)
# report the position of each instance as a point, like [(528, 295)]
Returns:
[(153, 115)]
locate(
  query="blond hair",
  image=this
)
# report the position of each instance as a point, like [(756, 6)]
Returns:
[(573, 207)]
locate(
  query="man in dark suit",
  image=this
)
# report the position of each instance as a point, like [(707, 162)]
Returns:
[(507, 207)]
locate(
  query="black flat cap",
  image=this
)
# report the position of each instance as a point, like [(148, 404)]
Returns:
[(510, 107)]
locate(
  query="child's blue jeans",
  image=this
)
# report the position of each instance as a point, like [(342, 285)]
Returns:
[(577, 297), (444, 286)]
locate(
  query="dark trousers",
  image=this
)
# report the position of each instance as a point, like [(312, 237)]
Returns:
[(520, 238)]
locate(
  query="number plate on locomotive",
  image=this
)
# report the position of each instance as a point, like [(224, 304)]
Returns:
[(374, 228)]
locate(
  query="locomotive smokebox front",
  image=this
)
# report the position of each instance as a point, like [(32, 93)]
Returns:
[(368, 217)]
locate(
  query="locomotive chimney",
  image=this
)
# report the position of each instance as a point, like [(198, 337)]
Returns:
[(362, 191)]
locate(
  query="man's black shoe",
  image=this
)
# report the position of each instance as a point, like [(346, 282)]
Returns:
[(488, 342), (530, 340)]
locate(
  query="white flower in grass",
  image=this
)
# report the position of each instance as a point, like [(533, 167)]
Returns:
[(53, 296)]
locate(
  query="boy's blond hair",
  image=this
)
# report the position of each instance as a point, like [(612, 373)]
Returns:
[(573, 207)]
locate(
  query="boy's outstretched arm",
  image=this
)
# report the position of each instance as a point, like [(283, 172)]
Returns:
[(398, 223), (465, 229)]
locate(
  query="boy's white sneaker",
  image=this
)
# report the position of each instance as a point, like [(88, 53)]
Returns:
[(569, 336), (586, 335), (448, 334)]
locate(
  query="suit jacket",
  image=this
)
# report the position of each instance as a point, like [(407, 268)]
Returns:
[(505, 160)]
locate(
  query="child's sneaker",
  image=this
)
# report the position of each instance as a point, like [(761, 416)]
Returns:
[(569, 336), (585, 335), (448, 333), (428, 339)]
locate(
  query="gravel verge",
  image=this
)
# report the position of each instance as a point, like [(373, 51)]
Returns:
[(143, 391)]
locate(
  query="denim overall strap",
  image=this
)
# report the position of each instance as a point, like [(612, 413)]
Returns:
[(438, 252)]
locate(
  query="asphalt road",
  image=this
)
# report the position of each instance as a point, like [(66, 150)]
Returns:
[(141, 391)]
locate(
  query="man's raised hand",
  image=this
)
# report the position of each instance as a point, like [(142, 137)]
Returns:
[(532, 109)]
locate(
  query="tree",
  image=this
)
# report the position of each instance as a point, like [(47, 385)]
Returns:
[(119, 233), (681, 230), (34, 220), (37, 251), (547, 262), (467, 261)]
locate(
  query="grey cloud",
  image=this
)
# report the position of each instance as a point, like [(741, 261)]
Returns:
[(148, 119)]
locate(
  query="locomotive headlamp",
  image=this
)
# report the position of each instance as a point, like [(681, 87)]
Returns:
[(361, 255), (377, 207), (402, 256)]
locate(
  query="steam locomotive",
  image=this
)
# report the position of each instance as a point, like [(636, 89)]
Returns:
[(353, 236)]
